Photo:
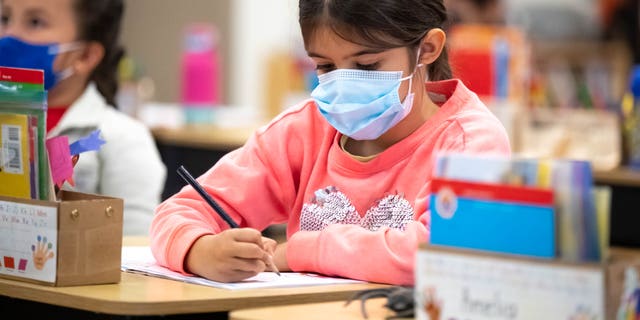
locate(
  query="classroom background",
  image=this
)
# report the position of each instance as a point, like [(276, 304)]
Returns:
[(558, 74), (561, 75), (253, 36)]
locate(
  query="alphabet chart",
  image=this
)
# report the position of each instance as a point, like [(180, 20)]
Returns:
[(28, 240)]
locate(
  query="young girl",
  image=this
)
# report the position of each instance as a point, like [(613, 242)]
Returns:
[(75, 42), (348, 170)]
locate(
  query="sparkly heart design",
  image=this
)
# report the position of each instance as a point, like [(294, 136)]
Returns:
[(330, 206)]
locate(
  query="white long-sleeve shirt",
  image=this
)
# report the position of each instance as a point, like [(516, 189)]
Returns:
[(127, 166)]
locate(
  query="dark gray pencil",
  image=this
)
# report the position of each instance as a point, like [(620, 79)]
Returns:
[(212, 203), (190, 180)]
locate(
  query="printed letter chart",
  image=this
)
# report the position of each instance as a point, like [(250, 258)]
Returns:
[(28, 240)]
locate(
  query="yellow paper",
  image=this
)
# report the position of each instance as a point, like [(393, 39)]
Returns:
[(544, 174), (14, 156), (602, 196)]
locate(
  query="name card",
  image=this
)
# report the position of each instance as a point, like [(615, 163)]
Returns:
[(456, 284)]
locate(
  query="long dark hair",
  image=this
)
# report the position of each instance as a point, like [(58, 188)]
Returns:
[(382, 24), (99, 20)]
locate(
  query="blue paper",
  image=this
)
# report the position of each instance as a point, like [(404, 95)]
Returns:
[(571, 181), (511, 228), (92, 142)]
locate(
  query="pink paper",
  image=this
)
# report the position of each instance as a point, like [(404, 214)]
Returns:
[(60, 159)]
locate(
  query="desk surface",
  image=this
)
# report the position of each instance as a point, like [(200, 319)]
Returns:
[(139, 295), (622, 176), (228, 138), (316, 311), (143, 295), (204, 136)]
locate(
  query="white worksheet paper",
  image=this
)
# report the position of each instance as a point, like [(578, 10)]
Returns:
[(138, 259)]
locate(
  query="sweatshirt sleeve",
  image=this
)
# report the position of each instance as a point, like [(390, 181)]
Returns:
[(245, 183), (339, 250)]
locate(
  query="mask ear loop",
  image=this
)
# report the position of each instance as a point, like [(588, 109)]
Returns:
[(66, 73), (62, 48), (65, 47), (410, 77)]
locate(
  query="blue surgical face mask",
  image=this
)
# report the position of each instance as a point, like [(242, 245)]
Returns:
[(16, 53), (362, 104)]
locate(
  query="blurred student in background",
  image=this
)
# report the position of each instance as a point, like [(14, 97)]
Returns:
[(348, 170), (476, 11), (75, 42)]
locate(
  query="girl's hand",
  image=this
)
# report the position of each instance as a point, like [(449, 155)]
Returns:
[(269, 246), (229, 256)]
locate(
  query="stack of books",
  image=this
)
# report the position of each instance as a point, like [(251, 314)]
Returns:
[(515, 238), (24, 167), (532, 207)]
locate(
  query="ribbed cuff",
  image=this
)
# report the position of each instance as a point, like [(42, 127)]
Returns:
[(177, 252), (302, 251)]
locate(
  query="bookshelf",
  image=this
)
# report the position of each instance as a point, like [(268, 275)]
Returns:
[(615, 54), (621, 176)]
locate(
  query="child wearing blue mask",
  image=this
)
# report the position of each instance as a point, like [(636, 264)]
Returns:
[(75, 42), (348, 170)]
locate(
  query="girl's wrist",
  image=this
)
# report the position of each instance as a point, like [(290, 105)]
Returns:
[(280, 257)]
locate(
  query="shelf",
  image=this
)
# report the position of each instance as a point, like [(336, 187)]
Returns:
[(622, 176), (204, 136)]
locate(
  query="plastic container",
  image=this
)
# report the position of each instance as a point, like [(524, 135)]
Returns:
[(200, 72)]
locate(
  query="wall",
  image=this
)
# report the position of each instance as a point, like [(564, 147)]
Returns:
[(152, 34), (259, 28), (250, 29)]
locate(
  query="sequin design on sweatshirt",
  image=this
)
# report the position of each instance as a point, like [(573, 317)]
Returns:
[(330, 206)]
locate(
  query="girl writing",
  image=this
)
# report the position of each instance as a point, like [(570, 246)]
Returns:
[(347, 170)]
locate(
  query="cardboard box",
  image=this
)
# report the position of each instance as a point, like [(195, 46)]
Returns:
[(623, 267), (74, 241), (453, 283)]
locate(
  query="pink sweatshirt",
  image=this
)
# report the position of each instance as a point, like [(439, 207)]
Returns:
[(360, 220)]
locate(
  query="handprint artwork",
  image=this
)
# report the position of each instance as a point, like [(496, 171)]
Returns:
[(41, 252), (432, 305)]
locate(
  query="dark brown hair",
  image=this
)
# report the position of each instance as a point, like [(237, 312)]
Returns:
[(383, 24), (99, 20)]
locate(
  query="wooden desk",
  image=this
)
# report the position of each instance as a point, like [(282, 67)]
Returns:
[(316, 311), (204, 136), (197, 147), (139, 295), (622, 176)]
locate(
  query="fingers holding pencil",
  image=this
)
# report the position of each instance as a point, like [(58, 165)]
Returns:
[(269, 246)]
